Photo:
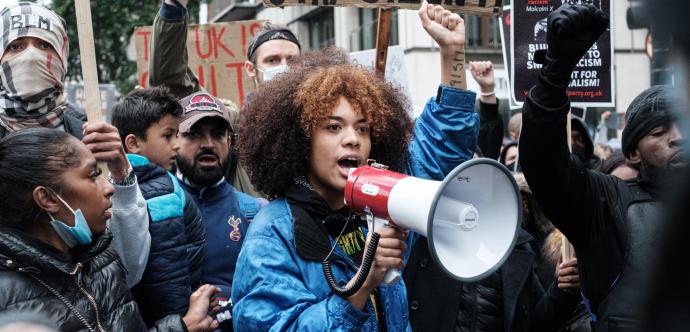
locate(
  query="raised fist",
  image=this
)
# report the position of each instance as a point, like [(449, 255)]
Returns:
[(571, 31), (483, 73), (445, 27)]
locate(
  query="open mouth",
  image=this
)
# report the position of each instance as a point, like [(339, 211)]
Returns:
[(348, 162), (108, 213), (207, 159)]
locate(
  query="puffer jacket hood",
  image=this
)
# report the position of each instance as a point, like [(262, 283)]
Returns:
[(91, 279)]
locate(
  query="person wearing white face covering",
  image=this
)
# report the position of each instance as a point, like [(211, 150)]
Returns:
[(33, 63)]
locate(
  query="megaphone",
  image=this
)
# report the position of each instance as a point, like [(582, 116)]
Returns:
[(470, 219)]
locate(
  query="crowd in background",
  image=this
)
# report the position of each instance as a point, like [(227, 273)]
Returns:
[(214, 217)]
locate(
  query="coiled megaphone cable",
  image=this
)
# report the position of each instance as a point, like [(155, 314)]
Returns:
[(364, 268)]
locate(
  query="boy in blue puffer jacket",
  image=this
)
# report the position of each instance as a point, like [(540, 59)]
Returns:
[(148, 123)]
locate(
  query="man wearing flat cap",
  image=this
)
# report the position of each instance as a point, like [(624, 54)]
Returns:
[(613, 224)]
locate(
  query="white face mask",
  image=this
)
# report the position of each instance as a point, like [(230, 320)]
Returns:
[(272, 72)]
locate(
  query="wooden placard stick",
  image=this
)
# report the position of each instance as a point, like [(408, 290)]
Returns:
[(87, 54), (566, 247), (486, 8), (383, 36), (89, 70)]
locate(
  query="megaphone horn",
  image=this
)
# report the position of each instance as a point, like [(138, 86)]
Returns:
[(470, 219)]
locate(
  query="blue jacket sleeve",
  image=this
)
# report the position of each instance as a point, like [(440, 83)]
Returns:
[(270, 294), (445, 134)]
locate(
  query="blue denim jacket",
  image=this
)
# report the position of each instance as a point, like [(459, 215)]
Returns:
[(275, 289)]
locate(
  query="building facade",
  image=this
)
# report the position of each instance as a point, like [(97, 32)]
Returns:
[(354, 29)]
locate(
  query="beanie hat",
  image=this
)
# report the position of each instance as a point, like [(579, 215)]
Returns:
[(650, 109)]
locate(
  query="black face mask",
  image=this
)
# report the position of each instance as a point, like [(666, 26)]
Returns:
[(511, 167), (580, 153)]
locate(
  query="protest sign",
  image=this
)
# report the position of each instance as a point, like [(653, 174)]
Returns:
[(592, 81), (396, 71), (217, 53), (490, 8)]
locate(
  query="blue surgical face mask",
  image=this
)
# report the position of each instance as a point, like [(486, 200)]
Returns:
[(272, 72), (78, 234)]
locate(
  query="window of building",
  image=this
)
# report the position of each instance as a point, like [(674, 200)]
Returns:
[(482, 32), (321, 23), (364, 36)]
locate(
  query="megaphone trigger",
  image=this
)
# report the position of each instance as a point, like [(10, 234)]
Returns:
[(374, 223)]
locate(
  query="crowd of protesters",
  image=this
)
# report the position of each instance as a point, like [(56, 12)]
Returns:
[(212, 217)]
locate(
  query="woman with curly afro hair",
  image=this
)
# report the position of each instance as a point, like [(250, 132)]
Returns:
[(301, 135)]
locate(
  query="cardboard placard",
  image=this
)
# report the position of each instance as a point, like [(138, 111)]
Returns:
[(217, 53), (592, 81), (488, 8)]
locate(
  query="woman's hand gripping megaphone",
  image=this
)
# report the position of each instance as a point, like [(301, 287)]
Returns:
[(389, 259)]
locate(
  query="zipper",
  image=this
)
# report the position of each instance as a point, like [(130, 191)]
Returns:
[(77, 276)]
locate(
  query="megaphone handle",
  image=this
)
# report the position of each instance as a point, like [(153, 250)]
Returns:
[(393, 275)]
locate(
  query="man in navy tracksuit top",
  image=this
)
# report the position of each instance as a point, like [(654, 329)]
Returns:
[(205, 134)]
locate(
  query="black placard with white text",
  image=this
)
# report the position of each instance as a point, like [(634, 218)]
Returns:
[(591, 83)]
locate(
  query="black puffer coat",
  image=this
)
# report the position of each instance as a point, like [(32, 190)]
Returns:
[(35, 277), (435, 298)]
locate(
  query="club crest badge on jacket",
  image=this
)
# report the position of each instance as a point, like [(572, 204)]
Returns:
[(235, 222)]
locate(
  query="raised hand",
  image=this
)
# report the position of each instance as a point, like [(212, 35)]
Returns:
[(572, 30), (483, 73), (446, 28)]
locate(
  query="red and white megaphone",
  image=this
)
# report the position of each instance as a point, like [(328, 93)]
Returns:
[(470, 219)]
